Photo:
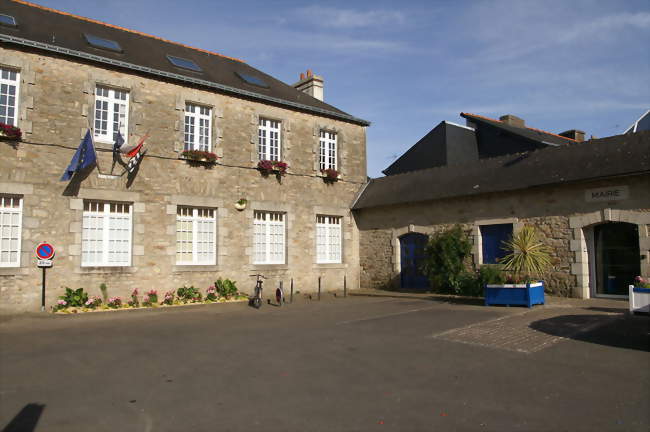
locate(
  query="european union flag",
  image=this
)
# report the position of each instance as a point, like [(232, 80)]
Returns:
[(83, 158)]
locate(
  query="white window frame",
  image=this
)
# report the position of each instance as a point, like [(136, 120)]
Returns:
[(196, 219), (6, 212), (328, 150), (269, 143), (198, 127), (104, 211), (329, 239), (113, 105), (10, 83), (267, 227)]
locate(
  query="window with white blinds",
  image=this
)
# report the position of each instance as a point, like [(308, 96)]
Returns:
[(268, 238), (106, 234), (9, 83), (196, 236), (327, 150), (111, 114), (11, 211), (268, 145), (197, 127), (328, 239)]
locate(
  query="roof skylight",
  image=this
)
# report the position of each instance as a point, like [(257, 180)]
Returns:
[(7, 20), (251, 79), (184, 63), (102, 43)]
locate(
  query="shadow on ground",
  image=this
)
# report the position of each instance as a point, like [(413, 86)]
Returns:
[(627, 331), (26, 420)]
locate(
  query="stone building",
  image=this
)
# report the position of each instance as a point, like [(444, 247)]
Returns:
[(171, 222), (590, 201)]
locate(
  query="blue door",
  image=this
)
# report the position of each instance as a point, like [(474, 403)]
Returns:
[(412, 252)]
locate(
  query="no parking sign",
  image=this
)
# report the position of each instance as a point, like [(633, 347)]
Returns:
[(44, 253)]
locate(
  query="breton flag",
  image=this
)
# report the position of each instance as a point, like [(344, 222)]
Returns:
[(84, 157), (135, 160), (130, 151)]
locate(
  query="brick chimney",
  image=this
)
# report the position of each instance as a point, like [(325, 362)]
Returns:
[(310, 84), (574, 134), (513, 120)]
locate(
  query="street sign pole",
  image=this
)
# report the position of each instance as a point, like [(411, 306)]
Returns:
[(43, 291)]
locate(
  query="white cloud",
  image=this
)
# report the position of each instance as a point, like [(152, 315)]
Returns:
[(349, 18)]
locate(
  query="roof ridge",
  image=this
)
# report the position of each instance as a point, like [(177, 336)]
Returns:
[(527, 127), (26, 3)]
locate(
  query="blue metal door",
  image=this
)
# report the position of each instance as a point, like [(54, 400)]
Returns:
[(412, 252)]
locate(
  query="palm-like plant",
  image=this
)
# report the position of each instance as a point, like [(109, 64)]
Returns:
[(527, 254)]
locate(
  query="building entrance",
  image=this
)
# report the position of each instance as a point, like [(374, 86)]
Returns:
[(617, 257)]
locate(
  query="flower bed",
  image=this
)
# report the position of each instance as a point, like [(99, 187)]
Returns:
[(78, 301)]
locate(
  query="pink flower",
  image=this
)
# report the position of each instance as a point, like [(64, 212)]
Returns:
[(62, 302)]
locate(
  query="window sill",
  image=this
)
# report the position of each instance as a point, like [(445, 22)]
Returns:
[(182, 268), (269, 267), (330, 266), (106, 270)]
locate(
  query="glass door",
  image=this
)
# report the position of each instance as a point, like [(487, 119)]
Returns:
[(617, 257)]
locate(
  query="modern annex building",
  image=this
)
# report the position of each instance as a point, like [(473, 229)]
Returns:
[(166, 222), (590, 200)]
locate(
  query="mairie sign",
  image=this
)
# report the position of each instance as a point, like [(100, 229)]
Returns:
[(44, 251)]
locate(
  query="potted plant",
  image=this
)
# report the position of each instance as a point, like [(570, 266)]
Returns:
[(199, 156), (527, 258), (330, 175), (241, 204), (9, 132), (267, 167), (640, 295)]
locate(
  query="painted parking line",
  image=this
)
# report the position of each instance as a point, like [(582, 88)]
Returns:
[(388, 315)]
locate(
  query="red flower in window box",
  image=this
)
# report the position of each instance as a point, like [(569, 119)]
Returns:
[(267, 167), (330, 175), (199, 156), (9, 132)]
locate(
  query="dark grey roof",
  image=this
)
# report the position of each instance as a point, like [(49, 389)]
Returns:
[(50, 30), (446, 144), (594, 159), (528, 133)]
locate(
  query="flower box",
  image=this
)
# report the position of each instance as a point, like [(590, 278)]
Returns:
[(267, 167), (9, 132), (639, 299), (199, 156), (527, 294), (330, 175)]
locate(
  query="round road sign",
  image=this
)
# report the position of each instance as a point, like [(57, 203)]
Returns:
[(45, 251)]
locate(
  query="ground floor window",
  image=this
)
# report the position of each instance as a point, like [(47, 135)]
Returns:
[(268, 238), (328, 239), (492, 241), (11, 209), (196, 236), (106, 234)]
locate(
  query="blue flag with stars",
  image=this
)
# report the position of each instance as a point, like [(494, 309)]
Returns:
[(83, 158)]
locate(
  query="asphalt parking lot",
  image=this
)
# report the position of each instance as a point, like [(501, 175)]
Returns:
[(355, 364)]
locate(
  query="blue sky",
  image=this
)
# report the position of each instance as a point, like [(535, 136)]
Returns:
[(408, 65)]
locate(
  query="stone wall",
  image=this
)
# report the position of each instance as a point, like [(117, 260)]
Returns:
[(56, 106), (551, 209)]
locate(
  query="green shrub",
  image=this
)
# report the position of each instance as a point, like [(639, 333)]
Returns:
[(444, 262), (75, 298), (226, 288), (188, 294), (527, 256)]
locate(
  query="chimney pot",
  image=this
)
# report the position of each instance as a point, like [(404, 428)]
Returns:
[(302, 76), (574, 134), (513, 120), (309, 73)]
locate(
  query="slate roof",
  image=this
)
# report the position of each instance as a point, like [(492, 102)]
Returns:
[(58, 32), (608, 157), (525, 132), (443, 145)]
